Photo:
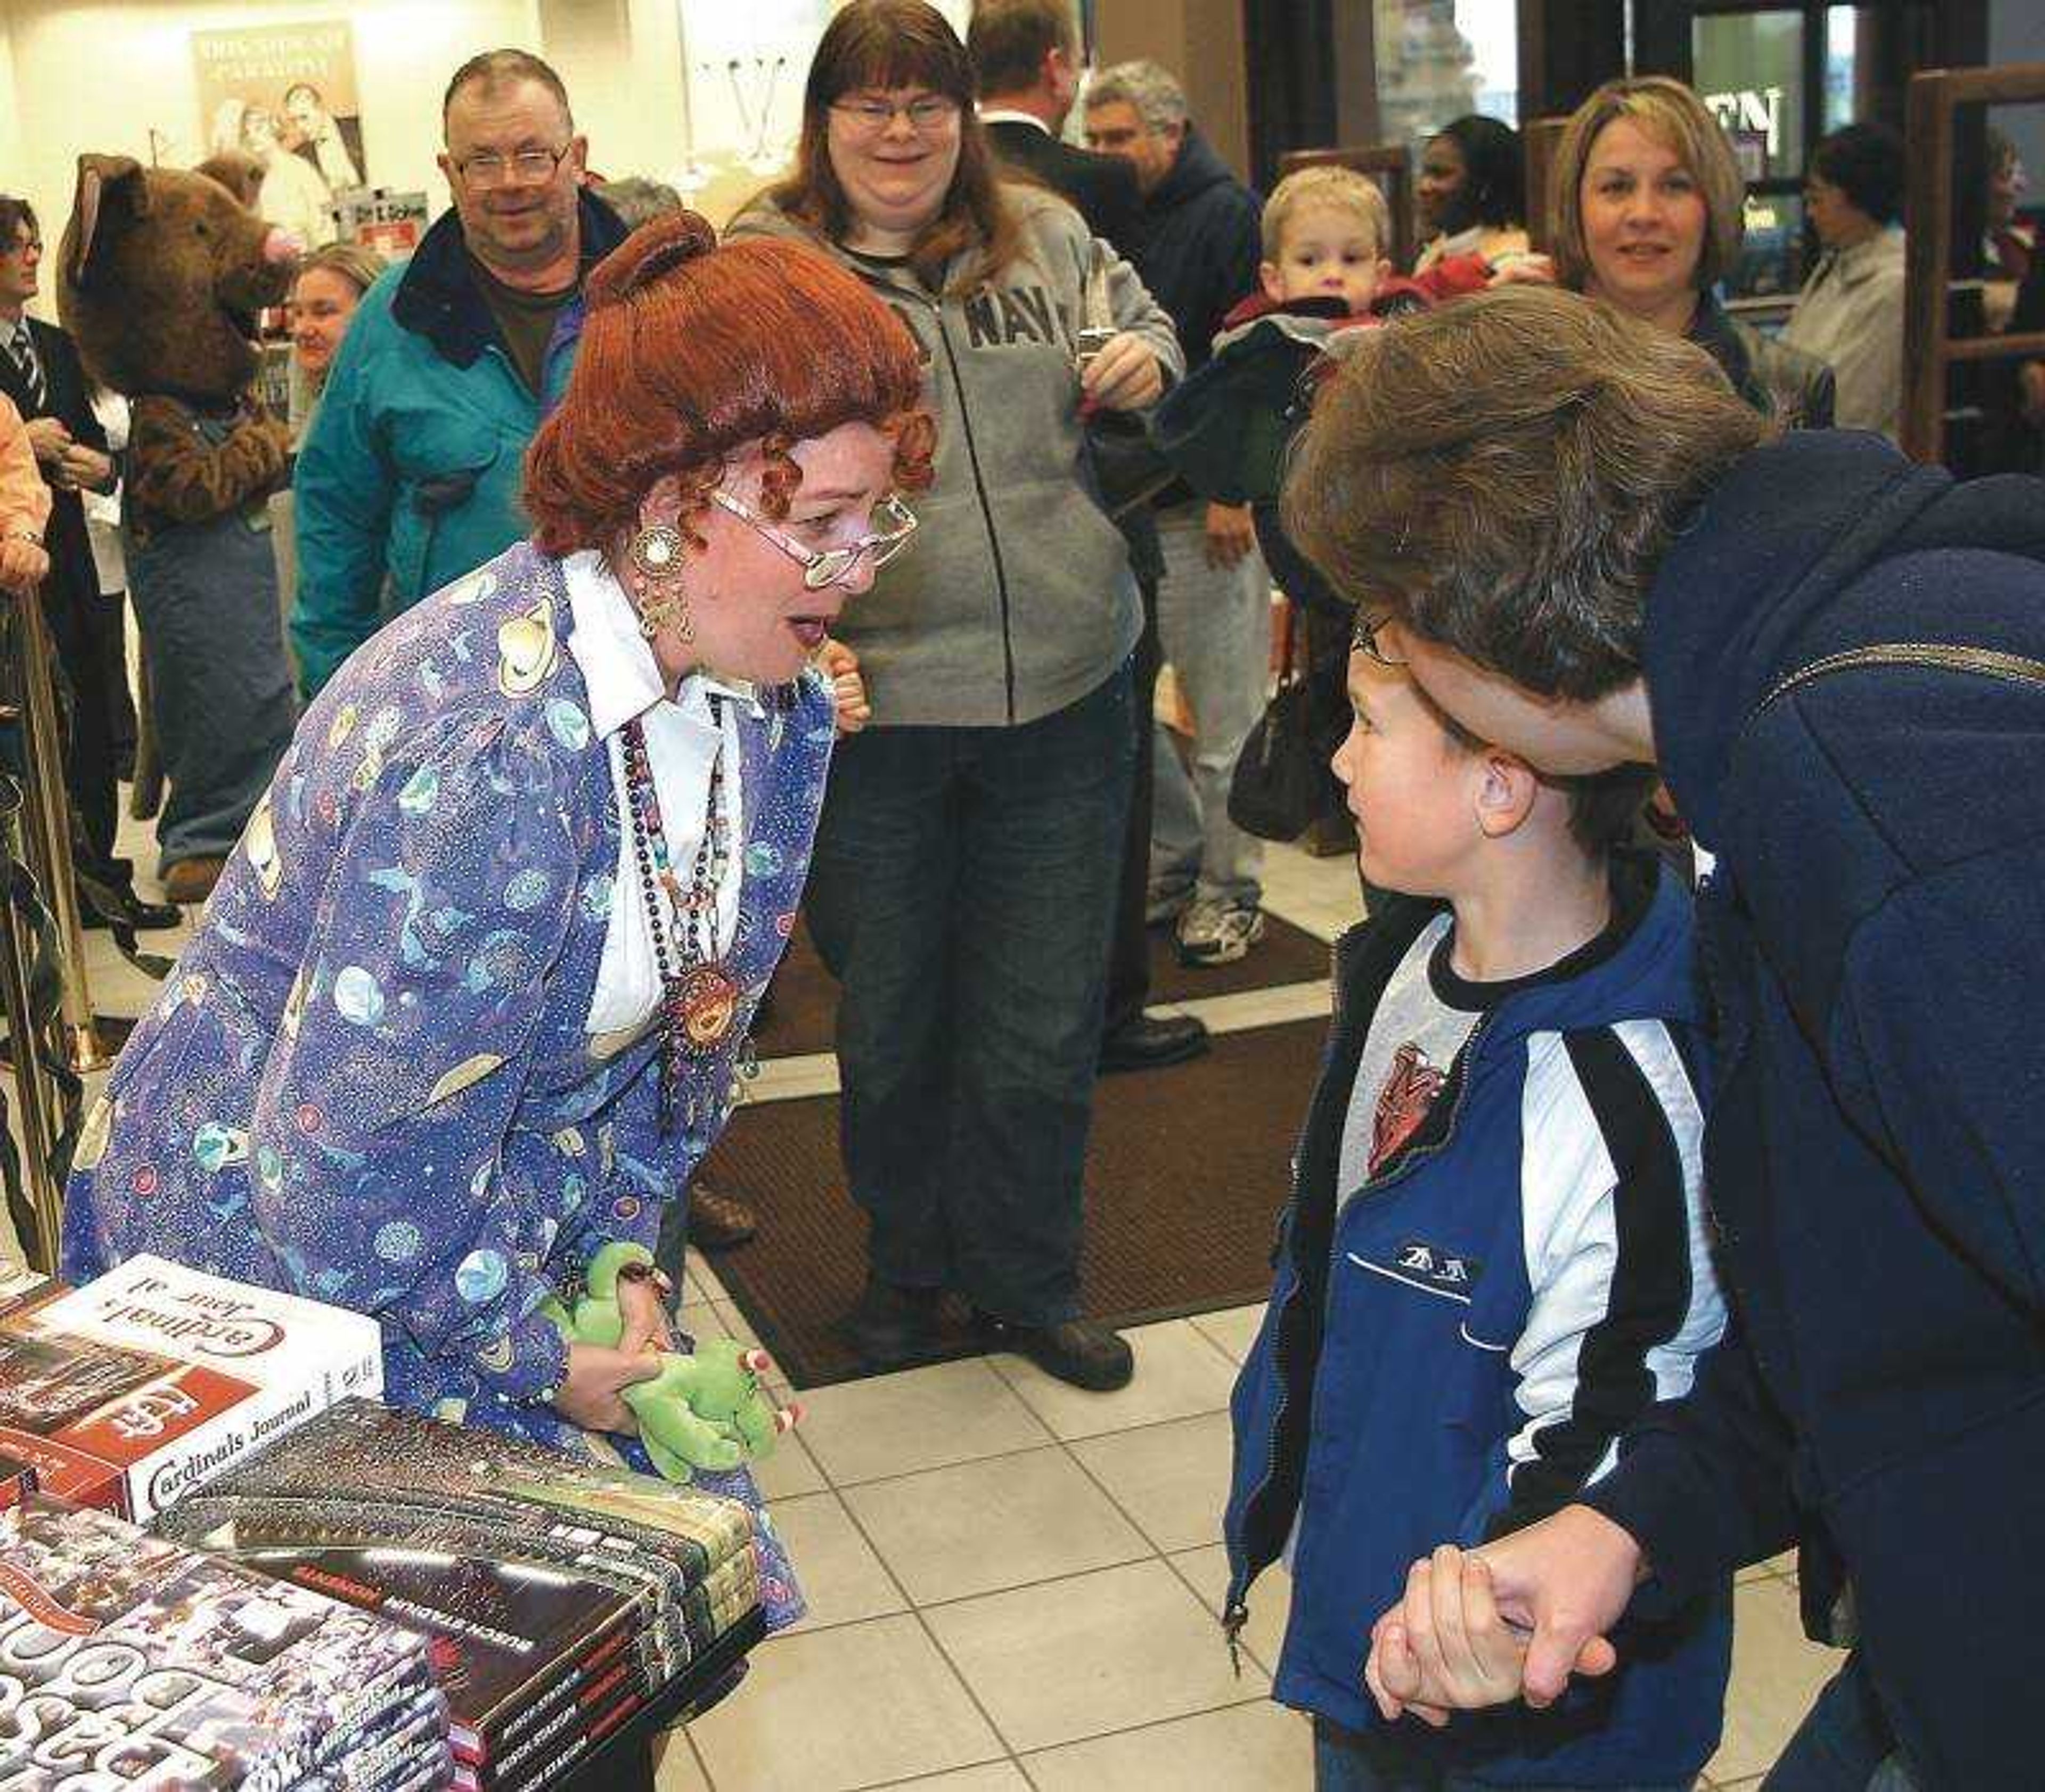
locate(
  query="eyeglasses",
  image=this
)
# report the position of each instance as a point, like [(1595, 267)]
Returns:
[(927, 112), (487, 168), (26, 245), (822, 567), (1365, 640)]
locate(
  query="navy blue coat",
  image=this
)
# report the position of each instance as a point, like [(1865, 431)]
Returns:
[(1873, 939)]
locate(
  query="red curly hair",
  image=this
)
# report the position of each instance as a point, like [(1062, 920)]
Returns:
[(691, 352)]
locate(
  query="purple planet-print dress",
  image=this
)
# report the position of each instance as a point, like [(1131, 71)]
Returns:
[(369, 1079)]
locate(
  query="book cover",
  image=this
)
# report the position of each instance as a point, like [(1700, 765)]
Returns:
[(132, 1390), (133, 1660)]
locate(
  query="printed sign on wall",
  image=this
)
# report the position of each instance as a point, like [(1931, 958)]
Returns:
[(285, 95)]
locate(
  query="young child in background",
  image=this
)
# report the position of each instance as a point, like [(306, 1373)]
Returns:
[(1325, 276), (1495, 1256)]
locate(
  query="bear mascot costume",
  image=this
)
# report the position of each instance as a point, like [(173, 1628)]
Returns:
[(161, 275)]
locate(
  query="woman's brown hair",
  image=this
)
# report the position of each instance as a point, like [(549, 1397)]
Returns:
[(691, 352), (888, 44), (1504, 474)]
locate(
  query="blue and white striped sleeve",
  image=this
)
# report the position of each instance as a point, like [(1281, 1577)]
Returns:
[(1618, 1258)]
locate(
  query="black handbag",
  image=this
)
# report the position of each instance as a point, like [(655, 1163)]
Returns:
[(1279, 788)]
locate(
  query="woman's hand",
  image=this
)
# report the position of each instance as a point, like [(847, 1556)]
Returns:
[(840, 664), (1531, 270), (592, 1394), (22, 563), (1125, 375)]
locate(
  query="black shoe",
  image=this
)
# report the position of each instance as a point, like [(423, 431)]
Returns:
[(1077, 1351), (718, 1222), (1153, 1040), (132, 911), (889, 1326)]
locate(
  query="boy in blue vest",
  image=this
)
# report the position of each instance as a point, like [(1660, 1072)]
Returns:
[(1495, 1255)]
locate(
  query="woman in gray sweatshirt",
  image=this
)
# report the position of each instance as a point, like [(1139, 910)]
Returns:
[(966, 863)]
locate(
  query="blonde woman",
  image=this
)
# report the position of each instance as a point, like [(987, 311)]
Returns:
[(1647, 215)]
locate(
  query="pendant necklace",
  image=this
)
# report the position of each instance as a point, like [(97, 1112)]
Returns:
[(699, 1000)]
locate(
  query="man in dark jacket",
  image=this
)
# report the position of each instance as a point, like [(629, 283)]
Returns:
[(1203, 244), (1588, 550), (39, 371), (1027, 58)]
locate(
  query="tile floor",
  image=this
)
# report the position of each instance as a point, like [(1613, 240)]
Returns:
[(1013, 1584)]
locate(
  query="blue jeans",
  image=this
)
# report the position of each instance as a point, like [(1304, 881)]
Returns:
[(1384, 1761), (1844, 1744), (1215, 624), (962, 893)]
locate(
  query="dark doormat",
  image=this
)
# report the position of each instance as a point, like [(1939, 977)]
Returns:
[(1186, 1173), (802, 1011)]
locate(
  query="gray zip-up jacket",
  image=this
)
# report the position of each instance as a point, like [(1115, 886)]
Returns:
[(1016, 599)]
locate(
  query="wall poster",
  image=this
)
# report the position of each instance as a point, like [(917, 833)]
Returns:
[(286, 95)]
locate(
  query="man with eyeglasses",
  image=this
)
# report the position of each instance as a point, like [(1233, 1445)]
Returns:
[(410, 473)]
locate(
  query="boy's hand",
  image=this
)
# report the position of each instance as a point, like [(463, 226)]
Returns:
[(840, 664), (1561, 1585), (1230, 534), (1466, 1657), (1125, 375), (23, 564)]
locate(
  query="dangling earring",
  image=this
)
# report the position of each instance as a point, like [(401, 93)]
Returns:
[(655, 554)]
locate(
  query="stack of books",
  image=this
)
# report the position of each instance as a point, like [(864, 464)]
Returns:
[(128, 1392), (137, 1661), (560, 1596)]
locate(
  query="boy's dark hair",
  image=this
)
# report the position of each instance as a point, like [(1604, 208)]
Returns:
[(1505, 474), (1008, 40), (1603, 806), (1494, 190), (1865, 163)]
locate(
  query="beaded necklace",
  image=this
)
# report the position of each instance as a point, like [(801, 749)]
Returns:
[(699, 1000)]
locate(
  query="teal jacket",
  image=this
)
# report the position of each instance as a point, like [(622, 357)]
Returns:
[(411, 474)]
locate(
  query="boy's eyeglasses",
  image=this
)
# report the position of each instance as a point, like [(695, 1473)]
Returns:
[(870, 117), (1365, 640), (822, 567)]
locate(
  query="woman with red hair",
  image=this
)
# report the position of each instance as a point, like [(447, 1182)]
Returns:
[(471, 998)]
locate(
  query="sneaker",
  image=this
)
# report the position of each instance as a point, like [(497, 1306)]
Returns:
[(1219, 933)]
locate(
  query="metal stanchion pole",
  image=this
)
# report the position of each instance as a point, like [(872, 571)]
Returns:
[(39, 1105), (49, 834)]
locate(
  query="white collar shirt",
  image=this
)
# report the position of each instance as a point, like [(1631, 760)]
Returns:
[(685, 737)]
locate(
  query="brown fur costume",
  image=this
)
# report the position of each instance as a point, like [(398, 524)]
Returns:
[(160, 277)]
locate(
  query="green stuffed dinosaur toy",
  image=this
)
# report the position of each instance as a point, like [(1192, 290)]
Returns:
[(703, 1411)]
